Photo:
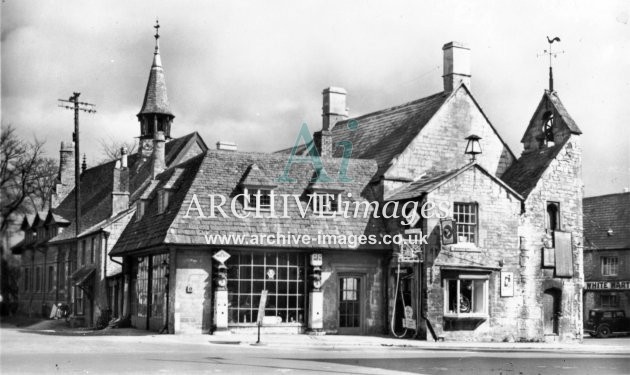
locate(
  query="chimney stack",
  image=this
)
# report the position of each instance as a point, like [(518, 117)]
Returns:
[(334, 107), (456, 65), (120, 189), (65, 178), (123, 157), (159, 154)]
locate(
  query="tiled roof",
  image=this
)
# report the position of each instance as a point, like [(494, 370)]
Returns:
[(155, 97), (434, 179), (524, 173), (257, 176), (604, 213), (97, 185), (384, 134), (220, 172)]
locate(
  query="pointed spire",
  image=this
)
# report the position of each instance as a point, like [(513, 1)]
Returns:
[(155, 97)]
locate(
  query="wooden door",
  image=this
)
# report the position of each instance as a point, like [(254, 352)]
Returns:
[(350, 305), (551, 311)]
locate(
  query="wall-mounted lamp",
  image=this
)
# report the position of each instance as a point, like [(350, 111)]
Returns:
[(473, 148)]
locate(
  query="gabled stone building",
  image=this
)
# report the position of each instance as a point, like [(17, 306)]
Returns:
[(201, 237), (607, 252)]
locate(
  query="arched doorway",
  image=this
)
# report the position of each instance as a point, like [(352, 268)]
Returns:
[(551, 311)]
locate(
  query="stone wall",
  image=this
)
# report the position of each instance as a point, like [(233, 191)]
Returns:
[(441, 144), (496, 250), (192, 297), (561, 183), (370, 267)]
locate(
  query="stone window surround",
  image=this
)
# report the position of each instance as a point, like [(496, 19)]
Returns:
[(263, 204), (326, 202)]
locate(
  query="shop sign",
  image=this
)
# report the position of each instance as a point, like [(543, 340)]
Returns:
[(316, 260), (607, 285), (221, 256)]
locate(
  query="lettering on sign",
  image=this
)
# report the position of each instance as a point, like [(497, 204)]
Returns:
[(607, 285), (221, 256)]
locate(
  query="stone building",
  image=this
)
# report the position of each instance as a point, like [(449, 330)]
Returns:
[(607, 252), (204, 236)]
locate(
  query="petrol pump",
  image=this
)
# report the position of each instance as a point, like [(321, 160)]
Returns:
[(407, 276)]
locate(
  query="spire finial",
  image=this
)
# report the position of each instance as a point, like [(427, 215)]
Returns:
[(157, 35)]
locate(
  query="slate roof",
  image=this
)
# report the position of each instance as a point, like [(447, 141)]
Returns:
[(434, 179), (97, 185), (155, 97), (524, 173), (604, 213), (221, 172)]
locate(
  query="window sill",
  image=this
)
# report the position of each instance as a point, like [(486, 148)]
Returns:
[(465, 246), (452, 316)]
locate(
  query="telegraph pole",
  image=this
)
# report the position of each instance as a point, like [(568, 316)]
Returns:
[(77, 106)]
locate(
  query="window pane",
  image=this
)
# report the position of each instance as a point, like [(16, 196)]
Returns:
[(479, 296)]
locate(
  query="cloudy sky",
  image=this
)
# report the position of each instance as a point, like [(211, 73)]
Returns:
[(252, 72)]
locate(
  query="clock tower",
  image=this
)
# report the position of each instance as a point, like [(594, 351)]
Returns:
[(155, 115)]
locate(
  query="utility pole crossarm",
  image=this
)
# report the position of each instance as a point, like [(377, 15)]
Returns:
[(77, 106)]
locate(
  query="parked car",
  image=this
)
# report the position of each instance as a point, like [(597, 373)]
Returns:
[(604, 322)]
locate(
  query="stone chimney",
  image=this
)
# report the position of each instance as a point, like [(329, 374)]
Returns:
[(226, 146), (334, 107), (324, 143), (65, 178), (158, 159), (120, 189), (456, 65)]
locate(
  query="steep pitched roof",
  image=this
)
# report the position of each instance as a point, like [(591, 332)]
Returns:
[(384, 134), (155, 97), (97, 185), (524, 173), (434, 179), (552, 98), (603, 214), (220, 173)]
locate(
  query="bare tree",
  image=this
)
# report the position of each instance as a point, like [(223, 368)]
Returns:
[(26, 176), (110, 149)]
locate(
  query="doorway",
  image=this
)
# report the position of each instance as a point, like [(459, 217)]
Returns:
[(350, 305), (551, 311)]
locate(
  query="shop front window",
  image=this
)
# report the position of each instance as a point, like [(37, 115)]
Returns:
[(282, 274), (142, 286), (466, 295), (159, 264)]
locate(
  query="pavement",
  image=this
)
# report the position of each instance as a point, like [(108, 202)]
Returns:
[(614, 345)]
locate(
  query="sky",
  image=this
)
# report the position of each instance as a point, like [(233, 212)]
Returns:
[(252, 72)]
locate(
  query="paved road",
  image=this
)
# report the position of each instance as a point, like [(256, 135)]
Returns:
[(45, 352)]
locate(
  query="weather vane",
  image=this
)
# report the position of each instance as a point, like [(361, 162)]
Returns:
[(551, 54), (157, 33)]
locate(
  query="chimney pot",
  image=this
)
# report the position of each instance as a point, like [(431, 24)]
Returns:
[(456, 65)]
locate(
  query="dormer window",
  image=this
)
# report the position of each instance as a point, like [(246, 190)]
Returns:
[(258, 199), (326, 203), (140, 207), (164, 197)]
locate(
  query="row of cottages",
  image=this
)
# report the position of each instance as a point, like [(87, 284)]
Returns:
[(205, 237)]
